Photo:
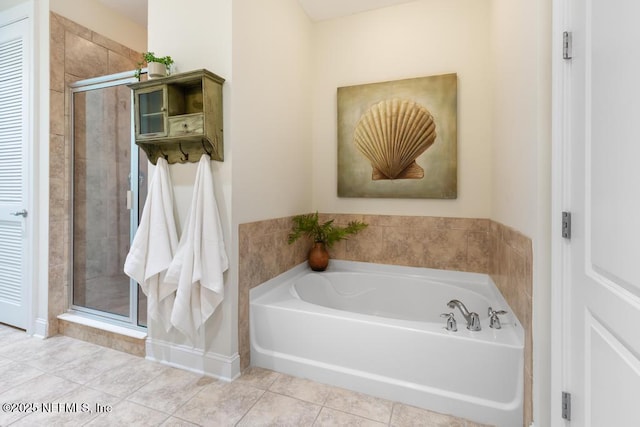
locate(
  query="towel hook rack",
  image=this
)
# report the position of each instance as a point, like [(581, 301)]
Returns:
[(205, 148), (185, 156)]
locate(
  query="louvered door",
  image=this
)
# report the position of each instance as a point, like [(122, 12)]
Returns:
[(13, 140)]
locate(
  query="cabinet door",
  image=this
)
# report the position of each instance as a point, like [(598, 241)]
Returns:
[(151, 112)]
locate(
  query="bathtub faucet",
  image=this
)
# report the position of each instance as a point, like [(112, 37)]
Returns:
[(472, 318)]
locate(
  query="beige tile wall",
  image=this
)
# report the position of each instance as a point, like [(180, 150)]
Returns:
[(135, 346), (512, 272), (76, 53), (465, 244), (264, 253)]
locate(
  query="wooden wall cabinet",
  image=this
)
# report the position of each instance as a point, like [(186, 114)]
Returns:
[(180, 116)]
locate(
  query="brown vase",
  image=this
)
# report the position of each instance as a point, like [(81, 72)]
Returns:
[(318, 257)]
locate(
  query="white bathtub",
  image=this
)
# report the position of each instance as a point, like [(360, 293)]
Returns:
[(377, 329)]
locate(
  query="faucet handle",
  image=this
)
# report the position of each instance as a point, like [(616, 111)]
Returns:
[(494, 320), (451, 322)]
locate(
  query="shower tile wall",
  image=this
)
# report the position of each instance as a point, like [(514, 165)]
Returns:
[(466, 244), (76, 53)]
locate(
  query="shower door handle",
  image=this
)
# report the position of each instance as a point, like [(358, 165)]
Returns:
[(22, 213)]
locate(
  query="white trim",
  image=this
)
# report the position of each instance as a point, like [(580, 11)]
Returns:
[(41, 114), (30, 152), (105, 326), (211, 364), (40, 328), (96, 83), (26, 12), (560, 201)]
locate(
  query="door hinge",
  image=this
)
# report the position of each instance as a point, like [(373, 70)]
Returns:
[(566, 225), (566, 406), (566, 45)]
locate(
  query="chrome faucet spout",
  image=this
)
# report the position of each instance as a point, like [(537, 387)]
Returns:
[(455, 303), (472, 318)]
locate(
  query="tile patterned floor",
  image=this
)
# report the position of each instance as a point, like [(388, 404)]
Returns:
[(85, 384)]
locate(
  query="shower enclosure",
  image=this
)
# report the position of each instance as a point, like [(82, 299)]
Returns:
[(108, 190)]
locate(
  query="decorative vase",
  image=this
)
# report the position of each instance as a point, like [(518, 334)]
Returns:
[(156, 70), (318, 257)]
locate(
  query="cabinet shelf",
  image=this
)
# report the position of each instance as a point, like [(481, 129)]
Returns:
[(180, 117)]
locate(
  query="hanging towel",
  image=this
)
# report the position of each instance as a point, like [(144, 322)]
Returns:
[(200, 260), (154, 246)]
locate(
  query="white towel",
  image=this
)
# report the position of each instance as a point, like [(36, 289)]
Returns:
[(200, 259), (154, 246)]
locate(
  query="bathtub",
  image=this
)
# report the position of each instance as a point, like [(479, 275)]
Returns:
[(377, 329)]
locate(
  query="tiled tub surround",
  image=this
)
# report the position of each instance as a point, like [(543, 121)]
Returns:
[(512, 271), (465, 244), (76, 53)]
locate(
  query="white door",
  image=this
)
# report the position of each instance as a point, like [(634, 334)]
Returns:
[(601, 365), (13, 179)]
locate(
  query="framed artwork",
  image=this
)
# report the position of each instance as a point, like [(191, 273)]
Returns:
[(399, 139)]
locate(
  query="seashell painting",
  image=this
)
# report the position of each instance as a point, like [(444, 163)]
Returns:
[(392, 134), (399, 138)]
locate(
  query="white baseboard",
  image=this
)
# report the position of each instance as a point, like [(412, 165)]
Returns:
[(40, 328), (211, 364)]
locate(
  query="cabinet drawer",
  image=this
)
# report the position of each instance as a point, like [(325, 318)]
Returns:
[(191, 124)]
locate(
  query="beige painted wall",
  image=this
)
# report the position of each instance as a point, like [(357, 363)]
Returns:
[(193, 48), (103, 20), (271, 109), (415, 39), (521, 66)]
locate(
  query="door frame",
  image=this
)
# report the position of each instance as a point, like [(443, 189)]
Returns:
[(26, 12), (85, 85), (560, 201)]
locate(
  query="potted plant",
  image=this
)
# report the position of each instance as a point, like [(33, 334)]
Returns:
[(324, 236), (157, 66)]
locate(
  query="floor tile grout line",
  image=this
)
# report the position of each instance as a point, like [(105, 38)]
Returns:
[(393, 408), (59, 368), (324, 405), (128, 399), (193, 397), (295, 398), (317, 416), (142, 385), (254, 404), (24, 382), (255, 382)]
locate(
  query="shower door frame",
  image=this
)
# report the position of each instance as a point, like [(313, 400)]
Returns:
[(84, 86)]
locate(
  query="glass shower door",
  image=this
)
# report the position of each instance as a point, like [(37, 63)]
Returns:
[(105, 200)]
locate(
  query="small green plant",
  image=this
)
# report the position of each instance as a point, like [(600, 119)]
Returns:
[(327, 233), (151, 57)]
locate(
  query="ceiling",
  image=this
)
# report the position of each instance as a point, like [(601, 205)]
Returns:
[(136, 10), (318, 10)]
